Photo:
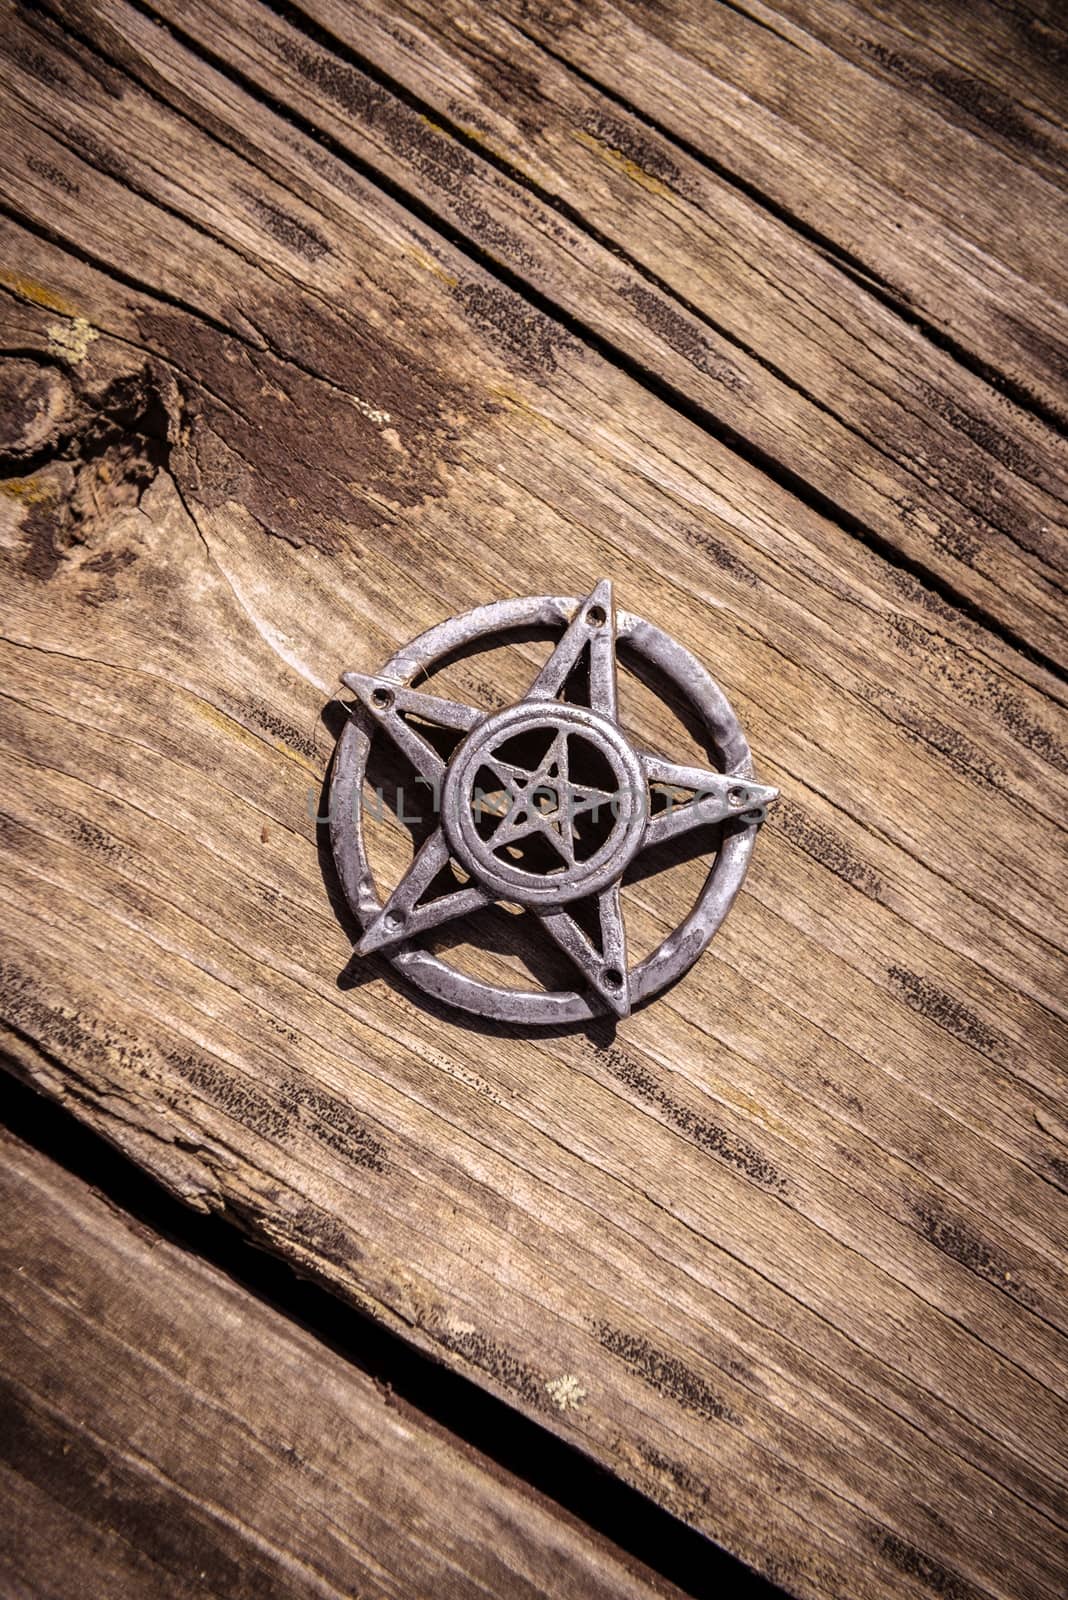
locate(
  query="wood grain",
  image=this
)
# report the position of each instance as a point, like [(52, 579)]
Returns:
[(795, 1232), (166, 1432), (686, 279), (1005, 70), (962, 233)]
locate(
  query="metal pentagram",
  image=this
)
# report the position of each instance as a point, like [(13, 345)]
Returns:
[(544, 805)]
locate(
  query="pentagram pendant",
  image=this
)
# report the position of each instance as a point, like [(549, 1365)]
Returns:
[(544, 806)]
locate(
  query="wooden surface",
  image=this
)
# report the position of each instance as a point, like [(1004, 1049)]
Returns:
[(322, 325), (166, 1432)]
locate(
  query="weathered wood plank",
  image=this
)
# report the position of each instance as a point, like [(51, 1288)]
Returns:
[(795, 1231), (1000, 76), (1012, 733), (963, 233), (676, 269), (1018, 51), (166, 1432)]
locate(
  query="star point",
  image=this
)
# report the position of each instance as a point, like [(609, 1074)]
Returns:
[(717, 796)]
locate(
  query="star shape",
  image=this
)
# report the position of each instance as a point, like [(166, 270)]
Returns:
[(543, 800)]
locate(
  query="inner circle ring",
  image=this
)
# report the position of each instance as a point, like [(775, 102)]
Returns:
[(677, 953), (515, 883)]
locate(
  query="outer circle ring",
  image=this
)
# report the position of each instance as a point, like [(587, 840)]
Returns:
[(679, 950)]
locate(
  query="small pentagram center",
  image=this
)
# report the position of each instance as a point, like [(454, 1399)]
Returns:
[(544, 803)]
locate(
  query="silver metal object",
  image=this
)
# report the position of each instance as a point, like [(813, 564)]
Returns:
[(544, 805)]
